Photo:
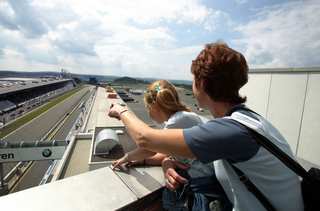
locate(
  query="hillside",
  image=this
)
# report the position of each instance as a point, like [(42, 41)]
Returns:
[(128, 80)]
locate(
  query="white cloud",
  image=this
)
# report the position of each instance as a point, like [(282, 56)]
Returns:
[(217, 18), (287, 35), (144, 11), (137, 38), (100, 36), (19, 15), (142, 62)]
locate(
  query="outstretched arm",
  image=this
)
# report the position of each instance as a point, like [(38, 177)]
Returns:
[(137, 154), (170, 141)]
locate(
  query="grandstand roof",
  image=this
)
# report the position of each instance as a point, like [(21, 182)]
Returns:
[(8, 85), (6, 105)]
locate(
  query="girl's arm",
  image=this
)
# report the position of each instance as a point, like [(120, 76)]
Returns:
[(155, 160), (140, 156), (137, 154)]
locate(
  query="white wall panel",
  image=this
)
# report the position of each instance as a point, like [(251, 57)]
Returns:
[(286, 100), (309, 144), (257, 92)]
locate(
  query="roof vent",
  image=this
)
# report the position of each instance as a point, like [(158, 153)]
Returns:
[(105, 141)]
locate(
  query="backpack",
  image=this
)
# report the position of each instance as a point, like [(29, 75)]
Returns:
[(310, 180)]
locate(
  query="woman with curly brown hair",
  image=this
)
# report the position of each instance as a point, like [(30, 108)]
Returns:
[(218, 74)]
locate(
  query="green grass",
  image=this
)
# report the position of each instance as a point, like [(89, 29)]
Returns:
[(29, 116)]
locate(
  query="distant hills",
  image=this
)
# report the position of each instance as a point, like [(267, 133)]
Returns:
[(83, 77), (100, 78), (129, 80)]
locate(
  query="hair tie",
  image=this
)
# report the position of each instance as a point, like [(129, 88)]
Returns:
[(157, 88)]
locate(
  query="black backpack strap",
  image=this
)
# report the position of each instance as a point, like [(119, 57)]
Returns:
[(282, 156), (273, 149), (253, 189)]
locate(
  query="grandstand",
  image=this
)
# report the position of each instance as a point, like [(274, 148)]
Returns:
[(20, 95)]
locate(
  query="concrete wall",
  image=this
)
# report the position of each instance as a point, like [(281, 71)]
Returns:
[(291, 102)]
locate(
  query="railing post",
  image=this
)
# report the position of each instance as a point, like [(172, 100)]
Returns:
[(4, 185)]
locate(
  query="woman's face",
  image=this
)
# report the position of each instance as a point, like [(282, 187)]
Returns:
[(198, 93), (155, 113)]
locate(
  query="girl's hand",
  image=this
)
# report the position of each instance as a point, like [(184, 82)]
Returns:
[(116, 110), (136, 163), (125, 162), (117, 164)]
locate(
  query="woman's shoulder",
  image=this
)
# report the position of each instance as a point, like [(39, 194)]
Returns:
[(185, 118), (187, 115)]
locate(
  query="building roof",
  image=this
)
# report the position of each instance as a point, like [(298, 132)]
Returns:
[(285, 70), (8, 85), (6, 105)]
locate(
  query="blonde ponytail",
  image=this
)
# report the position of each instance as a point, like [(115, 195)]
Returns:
[(165, 95)]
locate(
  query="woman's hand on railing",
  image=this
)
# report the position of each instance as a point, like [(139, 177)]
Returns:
[(173, 179)]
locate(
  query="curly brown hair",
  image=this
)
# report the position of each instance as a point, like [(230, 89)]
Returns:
[(222, 70)]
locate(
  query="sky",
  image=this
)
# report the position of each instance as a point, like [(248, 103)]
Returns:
[(154, 38)]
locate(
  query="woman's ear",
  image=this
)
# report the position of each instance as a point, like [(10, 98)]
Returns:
[(201, 84)]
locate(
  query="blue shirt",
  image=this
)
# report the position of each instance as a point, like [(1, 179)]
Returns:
[(221, 139), (225, 141)]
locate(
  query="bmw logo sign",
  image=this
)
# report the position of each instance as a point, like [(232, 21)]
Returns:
[(46, 153)]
